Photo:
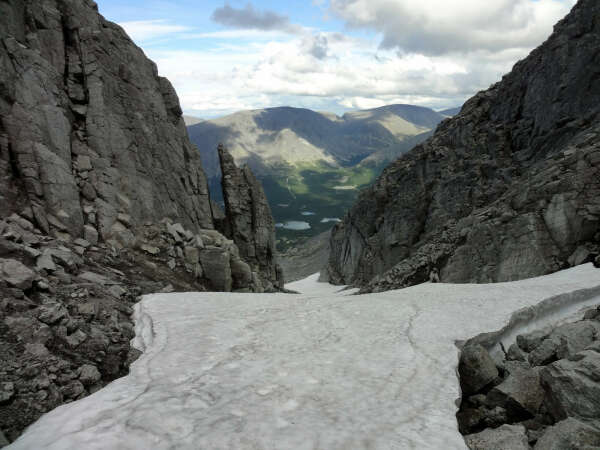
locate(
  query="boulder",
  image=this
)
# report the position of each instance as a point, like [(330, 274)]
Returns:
[(530, 341), (520, 393), (573, 386), (241, 273), (216, 268), (192, 255), (506, 437), (150, 249), (476, 368), (45, 262), (52, 312), (90, 234), (515, 353), (16, 274), (570, 434), (564, 341), (89, 374)]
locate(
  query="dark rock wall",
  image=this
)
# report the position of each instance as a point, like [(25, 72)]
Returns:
[(87, 121), (507, 189), (102, 198), (248, 220)]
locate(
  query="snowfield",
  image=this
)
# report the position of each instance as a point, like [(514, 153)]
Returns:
[(318, 370)]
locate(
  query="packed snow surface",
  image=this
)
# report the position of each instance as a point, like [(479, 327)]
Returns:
[(318, 370)]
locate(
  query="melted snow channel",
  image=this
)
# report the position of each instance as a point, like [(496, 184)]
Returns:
[(319, 370)]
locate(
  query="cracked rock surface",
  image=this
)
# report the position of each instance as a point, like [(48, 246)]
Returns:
[(507, 189)]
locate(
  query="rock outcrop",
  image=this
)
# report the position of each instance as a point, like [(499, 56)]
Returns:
[(102, 198), (248, 220), (507, 189), (552, 403)]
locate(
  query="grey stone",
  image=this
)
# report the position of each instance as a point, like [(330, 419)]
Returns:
[(506, 437), (521, 390), (192, 255), (51, 313), (76, 338), (167, 289), (28, 330), (564, 341), (530, 341), (90, 234), (570, 434), (84, 162), (93, 278), (515, 353), (16, 274), (476, 368), (89, 374), (173, 232), (581, 255), (171, 264), (150, 249), (216, 268), (73, 389), (573, 387), (241, 273), (37, 350), (7, 391), (65, 257), (45, 262), (117, 291), (545, 353), (125, 219), (88, 309), (82, 243), (3, 440)]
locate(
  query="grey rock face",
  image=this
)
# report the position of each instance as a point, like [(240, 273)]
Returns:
[(507, 189), (89, 125), (248, 221), (572, 387)]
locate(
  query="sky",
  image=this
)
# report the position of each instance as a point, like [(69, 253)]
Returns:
[(332, 55)]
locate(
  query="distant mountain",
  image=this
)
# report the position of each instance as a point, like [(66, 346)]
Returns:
[(312, 164), (190, 120), (451, 111)]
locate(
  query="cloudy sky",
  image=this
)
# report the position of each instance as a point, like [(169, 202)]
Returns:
[(332, 55)]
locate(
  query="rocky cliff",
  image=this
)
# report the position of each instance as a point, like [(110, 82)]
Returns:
[(102, 198), (507, 189), (248, 220)]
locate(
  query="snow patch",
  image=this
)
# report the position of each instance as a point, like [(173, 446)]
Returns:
[(317, 370)]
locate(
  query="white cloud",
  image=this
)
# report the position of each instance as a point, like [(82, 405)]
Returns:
[(247, 69), (436, 27), (144, 30)]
